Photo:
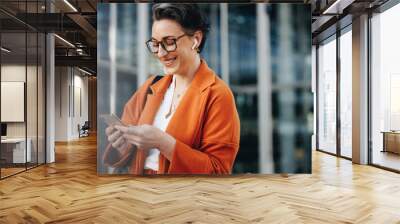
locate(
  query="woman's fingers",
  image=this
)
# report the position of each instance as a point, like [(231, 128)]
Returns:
[(132, 139), (123, 129), (133, 130), (109, 130), (127, 133), (142, 136), (114, 136), (119, 142), (124, 148)]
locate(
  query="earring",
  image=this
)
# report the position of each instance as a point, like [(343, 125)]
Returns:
[(195, 47)]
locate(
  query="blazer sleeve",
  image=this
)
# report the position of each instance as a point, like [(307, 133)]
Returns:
[(130, 115), (219, 141)]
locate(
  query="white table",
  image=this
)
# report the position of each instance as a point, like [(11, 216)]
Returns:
[(18, 144), (391, 141)]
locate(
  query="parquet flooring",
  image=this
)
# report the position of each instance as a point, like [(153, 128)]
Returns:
[(69, 191), (10, 171)]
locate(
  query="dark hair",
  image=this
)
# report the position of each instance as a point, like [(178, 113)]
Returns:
[(187, 15)]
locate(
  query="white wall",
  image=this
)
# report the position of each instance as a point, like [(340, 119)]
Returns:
[(79, 117), (61, 103), (33, 126), (70, 84), (12, 73), (12, 101)]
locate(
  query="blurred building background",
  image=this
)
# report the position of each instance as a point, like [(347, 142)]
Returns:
[(263, 51)]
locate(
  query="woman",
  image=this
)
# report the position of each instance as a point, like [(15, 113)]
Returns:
[(186, 122)]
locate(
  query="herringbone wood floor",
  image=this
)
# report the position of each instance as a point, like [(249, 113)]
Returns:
[(69, 191)]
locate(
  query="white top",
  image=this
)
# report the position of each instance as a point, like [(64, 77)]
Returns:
[(161, 122)]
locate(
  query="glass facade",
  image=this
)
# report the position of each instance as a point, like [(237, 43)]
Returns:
[(242, 38), (385, 89), (346, 93), (327, 95), (291, 97), (22, 79), (334, 137)]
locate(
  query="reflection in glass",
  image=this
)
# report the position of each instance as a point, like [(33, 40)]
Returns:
[(31, 101), (212, 48), (14, 151), (385, 89), (23, 85), (41, 79), (117, 67), (243, 82), (327, 96), (291, 87), (345, 94), (291, 95)]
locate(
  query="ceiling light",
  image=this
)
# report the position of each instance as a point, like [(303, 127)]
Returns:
[(5, 50), (338, 6), (64, 40), (329, 9), (84, 71), (70, 5)]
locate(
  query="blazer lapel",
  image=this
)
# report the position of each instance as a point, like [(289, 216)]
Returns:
[(185, 124), (152, 103), (150, 108)]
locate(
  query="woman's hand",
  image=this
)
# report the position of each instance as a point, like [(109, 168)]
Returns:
[(115, 137), (147, 137)]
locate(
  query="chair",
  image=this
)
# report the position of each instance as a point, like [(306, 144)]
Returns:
[(84, 130)]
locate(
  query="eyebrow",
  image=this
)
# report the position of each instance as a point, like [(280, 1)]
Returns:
[(162, 37)]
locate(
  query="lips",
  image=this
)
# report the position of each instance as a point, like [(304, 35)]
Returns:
[(169, 61)]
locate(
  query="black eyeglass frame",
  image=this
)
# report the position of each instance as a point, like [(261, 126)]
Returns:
[(175, 39)]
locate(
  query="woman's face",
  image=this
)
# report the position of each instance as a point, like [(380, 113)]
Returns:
[(179, 60)]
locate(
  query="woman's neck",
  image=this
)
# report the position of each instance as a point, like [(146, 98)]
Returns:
[(183, 80)]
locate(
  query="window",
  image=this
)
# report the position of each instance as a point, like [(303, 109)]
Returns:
[(346, 93), (327, 96), (385, 89), (22, 65)]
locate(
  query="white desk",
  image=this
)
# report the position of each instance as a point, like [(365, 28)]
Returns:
[(18, 149), (391, 141)]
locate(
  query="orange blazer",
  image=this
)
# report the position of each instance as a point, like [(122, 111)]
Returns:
[(205, 125)]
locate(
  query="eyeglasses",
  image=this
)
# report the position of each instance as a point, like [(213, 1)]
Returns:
[(167, 43)]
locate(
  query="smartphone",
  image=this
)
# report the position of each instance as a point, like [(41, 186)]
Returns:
[(111, 119)]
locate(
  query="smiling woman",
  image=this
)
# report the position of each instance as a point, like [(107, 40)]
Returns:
[(186, 122)]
